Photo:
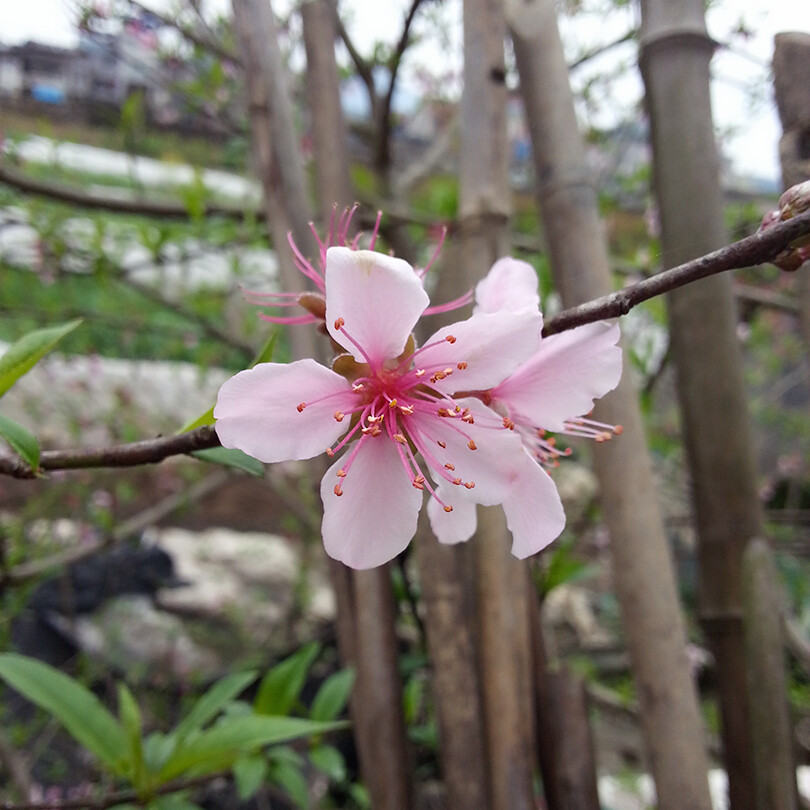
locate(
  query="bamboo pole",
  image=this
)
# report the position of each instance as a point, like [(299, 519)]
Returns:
[(501, 582), (675, 57), (774, 757), (642, 566)]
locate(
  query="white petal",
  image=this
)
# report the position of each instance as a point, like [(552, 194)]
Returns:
[(534, 512), (257, 410), (378, 297), (456, 526), (564, 376), (492, 345), (375, 517), (510, 285)]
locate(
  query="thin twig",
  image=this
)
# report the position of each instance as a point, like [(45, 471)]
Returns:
[(761, 247), (117, 797), (25, 572), (207, 42), (148, 451), (89, 199)]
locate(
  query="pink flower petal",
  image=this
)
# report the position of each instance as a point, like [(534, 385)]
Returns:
[(564, 376), (534, 512), (379, 299), (491, 467), (257, 411), (453, 527), (375, 517), (492, 345), (510, 285)]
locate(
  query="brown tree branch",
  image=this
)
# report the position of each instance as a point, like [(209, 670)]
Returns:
[(25, 572), (148, 451), (117, 797), (384, 123), (87, 199), (761, 247), (206, 42)]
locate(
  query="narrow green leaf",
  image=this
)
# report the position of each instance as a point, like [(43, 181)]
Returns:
[(332, 697), (212, 703), (206, 419), (26, 352), (231, 457), (130, 715), (231, 737), (157, 748), (292, 780), (76, 707), (281, 686), (265, 355), (21, 441), (249, 774), (328, 759)]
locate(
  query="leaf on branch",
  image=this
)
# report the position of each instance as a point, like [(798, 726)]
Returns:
[(265, 355), (281, 686), (73, 705), (333, 696), (21, 441), (219, 747), (26, 352), (231, 457)]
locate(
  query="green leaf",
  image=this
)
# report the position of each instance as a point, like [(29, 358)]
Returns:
[(281, 686), (206, 419), (265, 355), (21, 441), (564, 567), (328, 759), (231, 457), (76, 707), (249, 774), (26, 352), (157, 749), (212, 703), (220, 746), (332, 696), (131, 720), (290, 778)]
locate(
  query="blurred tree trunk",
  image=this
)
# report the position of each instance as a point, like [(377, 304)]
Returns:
[(330, 146), (642, 566), (255, 33), (774, 760), (501, 581), (675, 55), (564, 738)]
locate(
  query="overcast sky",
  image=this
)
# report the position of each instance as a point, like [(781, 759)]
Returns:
[(750, 128)]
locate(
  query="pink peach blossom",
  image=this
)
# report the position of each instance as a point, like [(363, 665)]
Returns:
[(390, 409), (547, 392)]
